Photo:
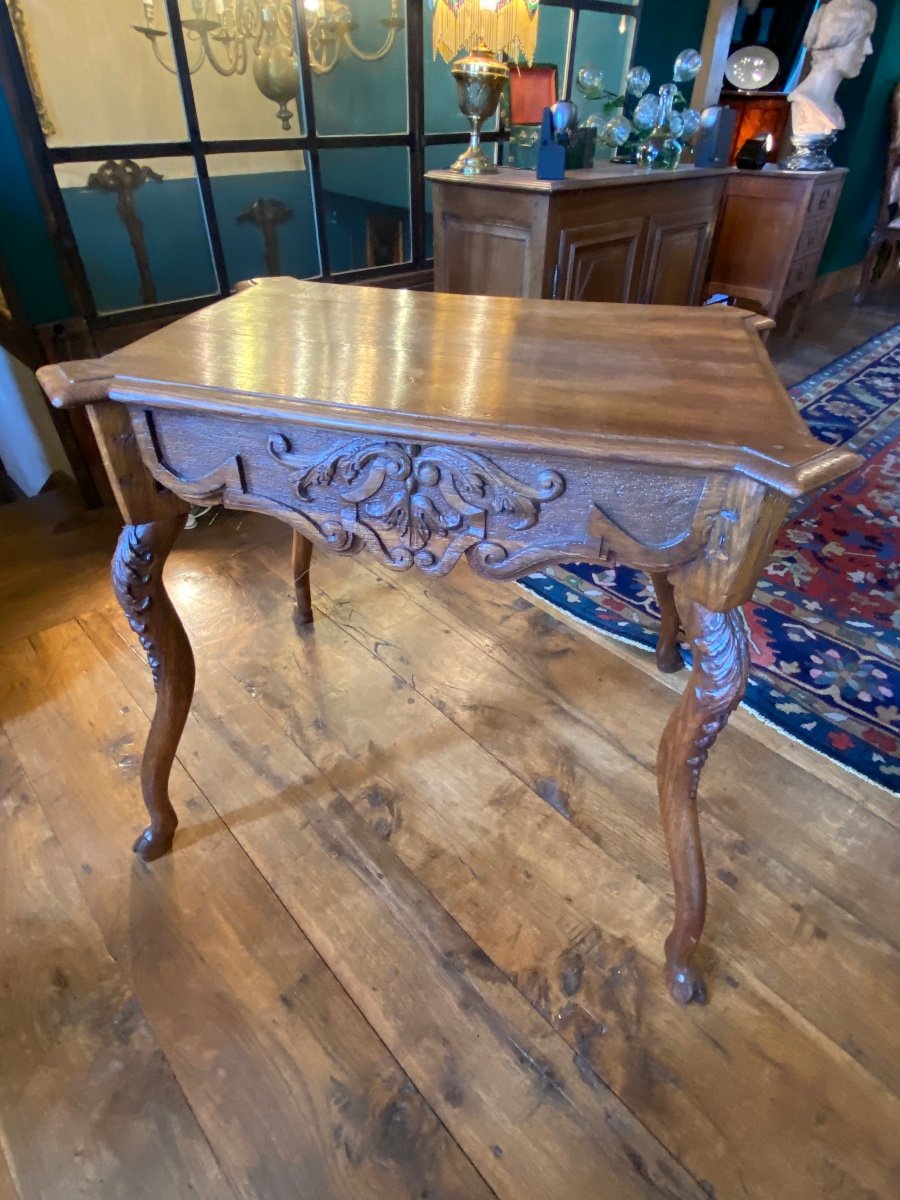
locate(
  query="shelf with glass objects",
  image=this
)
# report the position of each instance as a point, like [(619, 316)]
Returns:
[(640, 127)]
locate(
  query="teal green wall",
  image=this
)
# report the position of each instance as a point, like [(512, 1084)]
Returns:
[(664, 31), (24, 241), (862, 146)]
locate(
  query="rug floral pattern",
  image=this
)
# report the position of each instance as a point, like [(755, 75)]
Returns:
[(824, 622)]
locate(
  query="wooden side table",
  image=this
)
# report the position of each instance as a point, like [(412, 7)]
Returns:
[(772, 230), (426, 428)]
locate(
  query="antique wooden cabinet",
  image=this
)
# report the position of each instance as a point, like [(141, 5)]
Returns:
[(615, 233), (772, 230)]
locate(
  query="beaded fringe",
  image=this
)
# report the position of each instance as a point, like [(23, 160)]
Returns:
[(464, 25)]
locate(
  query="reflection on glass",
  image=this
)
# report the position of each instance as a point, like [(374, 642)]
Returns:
[(437, 158), (604, 42), (244, 65), (358, 67), (98, 81), (265, 215), (140, 230), (366, 199)]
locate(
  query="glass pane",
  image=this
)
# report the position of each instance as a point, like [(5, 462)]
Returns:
[(141, 236), (265, 214), (95, 79), (359, 74), (604, 40), (221, 39), (366, 196), (553, 40), (438, 158)]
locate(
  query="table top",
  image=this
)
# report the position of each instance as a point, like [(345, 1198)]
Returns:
[(604, 175), (649, 383)]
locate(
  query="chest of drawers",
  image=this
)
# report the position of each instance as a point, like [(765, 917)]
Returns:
[(772, 229)]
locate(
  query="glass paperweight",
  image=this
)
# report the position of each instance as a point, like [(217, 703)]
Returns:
[(637, 81), (687, 64)]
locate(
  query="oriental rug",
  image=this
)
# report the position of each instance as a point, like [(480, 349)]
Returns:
[(824, 621)]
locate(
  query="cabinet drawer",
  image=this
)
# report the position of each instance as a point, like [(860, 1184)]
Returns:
[(824, 198), (800, 274), (812, 236)]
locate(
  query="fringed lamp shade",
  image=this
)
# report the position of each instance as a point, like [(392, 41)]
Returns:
[(507, 26)]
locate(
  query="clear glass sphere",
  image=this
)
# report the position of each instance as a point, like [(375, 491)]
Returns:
[(589, 82), (618, 130), (691, 122), (687, 64), (676, 124), (595, 121), (645, 113), (637, 81)]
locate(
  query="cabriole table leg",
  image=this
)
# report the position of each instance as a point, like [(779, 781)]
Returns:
[(718, 678), (137, 570)]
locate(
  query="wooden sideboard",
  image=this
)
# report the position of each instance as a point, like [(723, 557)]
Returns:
[(615, 233), (771, 234)]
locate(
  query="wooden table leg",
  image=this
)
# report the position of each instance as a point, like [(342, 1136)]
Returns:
[(137, 570), (301, 557), (718, 678), (668, 652)]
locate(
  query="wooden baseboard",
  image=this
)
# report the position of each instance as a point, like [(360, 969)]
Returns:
[(844, 280)]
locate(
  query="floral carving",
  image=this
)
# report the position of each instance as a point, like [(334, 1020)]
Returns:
[(132, 578), (415, 505)]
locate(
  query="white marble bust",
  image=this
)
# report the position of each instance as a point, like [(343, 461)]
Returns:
[(839, 39)]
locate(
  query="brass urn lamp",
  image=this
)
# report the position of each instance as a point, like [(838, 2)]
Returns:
[(487, 30), (479, 82)]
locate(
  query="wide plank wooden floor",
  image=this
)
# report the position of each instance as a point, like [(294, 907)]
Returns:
[(409, 944)]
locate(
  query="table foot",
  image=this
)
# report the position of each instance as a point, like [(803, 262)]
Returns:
[(137, 577), (153, 844), (718, 678), (301, 557), (685, 983), (668, 651)]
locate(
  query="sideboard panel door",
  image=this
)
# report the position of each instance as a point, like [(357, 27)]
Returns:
[(676, 258), (485, 258), (601, 262)]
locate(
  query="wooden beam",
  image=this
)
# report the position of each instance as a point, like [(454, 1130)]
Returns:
[(714, 48)]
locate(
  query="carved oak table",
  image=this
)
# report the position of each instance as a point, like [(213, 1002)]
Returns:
[(427, 428)]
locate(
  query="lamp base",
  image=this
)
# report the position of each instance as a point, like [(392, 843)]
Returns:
[(474, 161)]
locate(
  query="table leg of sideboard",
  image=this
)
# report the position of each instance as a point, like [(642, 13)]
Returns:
[(668, 652), (301, 557), (718, 678), (137, 576)]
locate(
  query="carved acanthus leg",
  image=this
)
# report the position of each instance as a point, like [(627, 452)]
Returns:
[(137, 570), (301, 557), (719, 675), (668, 652)]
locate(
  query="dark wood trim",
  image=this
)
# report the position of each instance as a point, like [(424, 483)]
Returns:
[(193, 124)]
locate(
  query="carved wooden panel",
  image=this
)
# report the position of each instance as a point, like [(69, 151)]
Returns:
[(426, 505), (678, 246), (600, 261)]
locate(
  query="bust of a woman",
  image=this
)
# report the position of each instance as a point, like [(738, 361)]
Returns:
[(839, 39)]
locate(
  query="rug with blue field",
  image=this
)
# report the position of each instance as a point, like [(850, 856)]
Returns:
[(824, 621)]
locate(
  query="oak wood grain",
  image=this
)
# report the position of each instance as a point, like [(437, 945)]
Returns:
[(291, 1087), (562, 918), (619, 381), (81, 1064)]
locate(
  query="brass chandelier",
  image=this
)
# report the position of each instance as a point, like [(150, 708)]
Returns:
[(233, 34)]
